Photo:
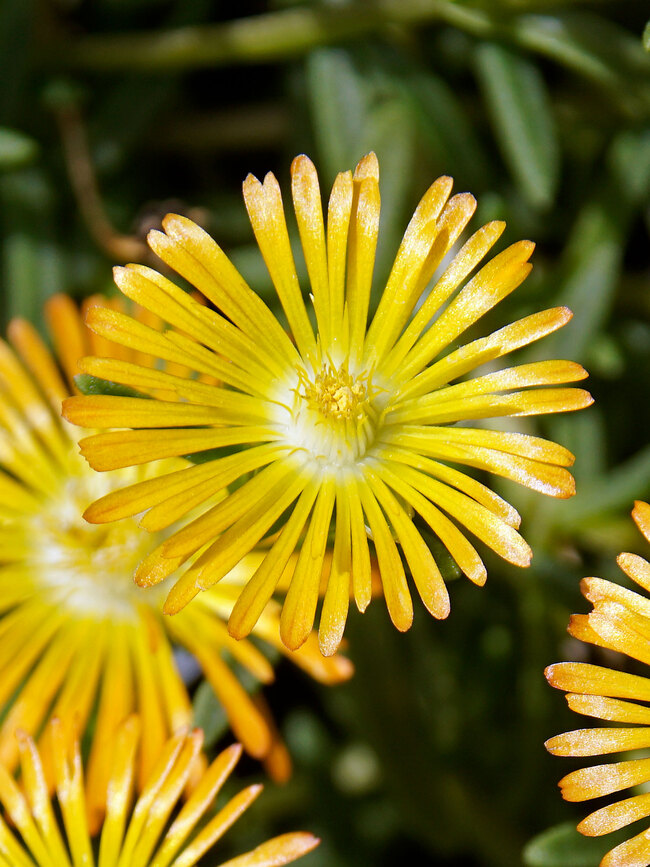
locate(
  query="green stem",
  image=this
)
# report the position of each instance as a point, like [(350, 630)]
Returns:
[(293, 32)]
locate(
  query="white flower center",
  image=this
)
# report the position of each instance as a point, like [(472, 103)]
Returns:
[(336, 414), (85, 568)]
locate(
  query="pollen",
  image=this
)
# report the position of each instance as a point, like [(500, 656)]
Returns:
[(336, 394)]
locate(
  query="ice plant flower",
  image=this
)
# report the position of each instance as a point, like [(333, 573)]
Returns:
[(141, 834), (346, 432), (78, 638), (620, 621)]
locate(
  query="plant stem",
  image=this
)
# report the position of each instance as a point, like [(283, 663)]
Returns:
[(290, 33)]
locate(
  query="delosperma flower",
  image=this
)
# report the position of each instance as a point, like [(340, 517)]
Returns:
[(343, 429), (138, 835), (620, 621), (78, 638)]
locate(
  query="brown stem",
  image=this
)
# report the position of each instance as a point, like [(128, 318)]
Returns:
[(123, 248)]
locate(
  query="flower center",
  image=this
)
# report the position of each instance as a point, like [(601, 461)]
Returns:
[(84, 568), (335, 414), (336, 395)]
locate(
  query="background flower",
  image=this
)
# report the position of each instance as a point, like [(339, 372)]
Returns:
[(619, 621), (78, 639), (130, 834)]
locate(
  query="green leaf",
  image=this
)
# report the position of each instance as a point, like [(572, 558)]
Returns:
[(563, 846), (616, 490), (596, 250), (646, 37), (446, 126), (522, 120), (600, 50), (594, 253), (629, 163), (389, 131), (88, 384), (209, 714), (338, 102), (33, 266), (16, 149), (434, 108)]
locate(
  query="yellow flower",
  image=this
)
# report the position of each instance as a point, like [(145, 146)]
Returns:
[(620, 621), (343, 432), (137, 836), (76, 633)]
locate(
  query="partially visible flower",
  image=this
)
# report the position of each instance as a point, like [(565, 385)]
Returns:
[(78, 639), (346, 432), (141, 834), (620, 621)]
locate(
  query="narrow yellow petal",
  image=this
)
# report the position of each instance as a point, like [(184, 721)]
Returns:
[(518, 403), (116, 703), (119, 791), (632, 853), (338, 221), (261, 586), (424, 568), (196, 806), (407, 349), (641, 515), (198, 258), (522, 445), (264, 206), (609, 709), (70, 794), (588, 679), (596, 742), (403, 287), (226, 471), (157, 293), (594, 782), (117, 449), (35, 786), (599, 591), (636, 567), (70, 336), (456, 479), (299, 607), (362, 243), (615, 816), (498, 535), (580, 628), (458, 546), (337, 595), (307, 204), (396, 592), (173, 347), (497, 279), (109, 411), (38, 359), (217, 827), (276, 852), (248, 724)]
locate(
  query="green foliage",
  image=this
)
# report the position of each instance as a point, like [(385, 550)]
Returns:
[(16, 149), (563, 846), (88, 384), (522, 120), (209, 714)]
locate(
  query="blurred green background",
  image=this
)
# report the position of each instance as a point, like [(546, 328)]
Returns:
[(114, 111)]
